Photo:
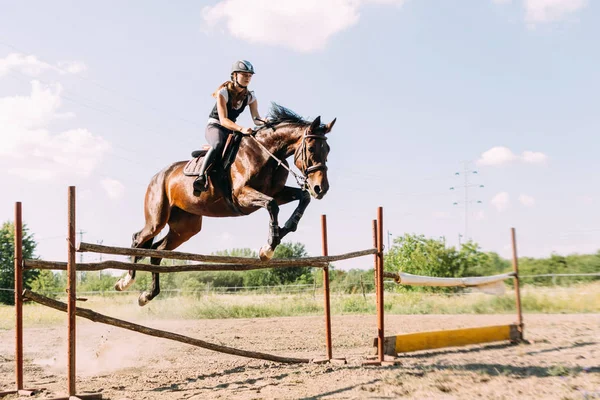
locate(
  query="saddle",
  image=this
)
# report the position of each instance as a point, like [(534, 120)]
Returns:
[(218, 174), (232, 145)]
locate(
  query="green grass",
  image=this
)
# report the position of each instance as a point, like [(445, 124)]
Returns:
[(575, 299)]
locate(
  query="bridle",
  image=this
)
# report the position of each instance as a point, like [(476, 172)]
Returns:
[(302, 152), (306, 170)]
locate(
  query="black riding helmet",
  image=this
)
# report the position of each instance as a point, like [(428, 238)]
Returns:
[(242, 66)]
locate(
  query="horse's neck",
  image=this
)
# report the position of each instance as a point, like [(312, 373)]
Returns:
[(284, 141)]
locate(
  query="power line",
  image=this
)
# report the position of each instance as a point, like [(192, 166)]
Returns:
[(467, 184), (141, 102)]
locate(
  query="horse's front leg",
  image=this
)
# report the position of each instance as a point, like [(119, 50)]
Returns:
[(289, 194), (249, 197)]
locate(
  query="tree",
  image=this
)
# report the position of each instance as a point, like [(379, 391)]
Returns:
[(415, 254), (7, 261), (290, 274)]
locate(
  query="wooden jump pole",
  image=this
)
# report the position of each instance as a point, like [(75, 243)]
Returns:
[(430, 340), (96, 317), (326, 289), (178, 255), (71, 308), (18, 265), (19, 295), (375, 261), (515, 262), (71, 293), (380, 318)]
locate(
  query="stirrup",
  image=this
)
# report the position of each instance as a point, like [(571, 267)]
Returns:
[(200, 184)]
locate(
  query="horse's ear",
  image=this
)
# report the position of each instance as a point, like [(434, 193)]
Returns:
[(329, 126), (315, 124)]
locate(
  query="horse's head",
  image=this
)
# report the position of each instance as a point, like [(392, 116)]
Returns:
[(311, 157)]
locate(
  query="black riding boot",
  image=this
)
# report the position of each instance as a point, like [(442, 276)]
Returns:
[(200, 182)]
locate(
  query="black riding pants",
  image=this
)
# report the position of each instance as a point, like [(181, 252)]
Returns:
[(216, 135)]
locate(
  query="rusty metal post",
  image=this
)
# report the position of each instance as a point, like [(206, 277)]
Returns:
[(326, 289), (380, 330), (375, 262), (71, 281), (516, 280), (19, 294)]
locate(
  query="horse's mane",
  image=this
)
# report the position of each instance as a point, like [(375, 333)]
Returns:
[(279, 114)]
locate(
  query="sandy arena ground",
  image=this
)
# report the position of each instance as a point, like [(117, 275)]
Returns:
[(561, 362)]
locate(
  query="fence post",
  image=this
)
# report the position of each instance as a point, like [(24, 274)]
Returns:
[(19, 294), (380, 319), (326, 289), (71, 281), (516, 280)]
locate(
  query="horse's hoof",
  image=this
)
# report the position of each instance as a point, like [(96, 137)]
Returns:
[(123, 284), (266, 253), (143, 299)]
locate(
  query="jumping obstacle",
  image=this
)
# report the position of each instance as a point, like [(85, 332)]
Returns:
[(210, 263), (405, 343)]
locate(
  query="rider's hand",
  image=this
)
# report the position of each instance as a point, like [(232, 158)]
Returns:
[(260, 122), (247, 131)]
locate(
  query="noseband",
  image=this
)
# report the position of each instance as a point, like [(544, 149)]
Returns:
[(306, 170)]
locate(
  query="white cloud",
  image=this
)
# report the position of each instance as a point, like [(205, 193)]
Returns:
[(29, 65), (72, 67), (302, 25), (527, 200), (32, 66), (497, 156), (113, 188), (501, 201), (40, 153), (534, 157), (500, 155), (540, 11)]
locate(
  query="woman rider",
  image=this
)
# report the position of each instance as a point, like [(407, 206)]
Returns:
[(232, 98)]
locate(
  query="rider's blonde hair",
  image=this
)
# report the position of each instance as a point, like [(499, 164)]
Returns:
[(235, 97)]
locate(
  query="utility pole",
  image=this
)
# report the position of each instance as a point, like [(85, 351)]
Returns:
[(467, 184), (100, 243), (81, 240)]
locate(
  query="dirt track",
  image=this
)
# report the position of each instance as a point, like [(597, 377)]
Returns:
[(562, 362)]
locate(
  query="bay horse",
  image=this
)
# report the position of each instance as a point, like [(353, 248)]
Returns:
[(257, 180)]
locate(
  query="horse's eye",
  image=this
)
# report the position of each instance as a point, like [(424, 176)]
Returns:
[(311, 149)]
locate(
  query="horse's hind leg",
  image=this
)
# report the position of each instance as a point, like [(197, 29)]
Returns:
[(182, 226), (129, 279), (156, 211)]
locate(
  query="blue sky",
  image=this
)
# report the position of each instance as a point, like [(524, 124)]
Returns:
[(103, 95)]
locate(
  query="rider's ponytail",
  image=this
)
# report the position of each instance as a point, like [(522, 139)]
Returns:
[(224, 84), (235, 97)]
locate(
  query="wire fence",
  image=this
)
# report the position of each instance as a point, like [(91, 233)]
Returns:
[(363, 287)]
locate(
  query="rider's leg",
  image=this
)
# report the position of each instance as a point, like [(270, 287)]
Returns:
[(209, 158), (216, 135)]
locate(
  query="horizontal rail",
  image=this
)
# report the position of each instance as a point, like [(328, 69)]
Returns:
[(558, 275), (177, 255), (430, 340), (469, 281), (94, 316), (99, 266)]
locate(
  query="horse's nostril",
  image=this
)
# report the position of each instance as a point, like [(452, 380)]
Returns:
[(318, 189)]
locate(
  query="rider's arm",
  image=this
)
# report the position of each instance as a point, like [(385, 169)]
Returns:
[(226, 122)]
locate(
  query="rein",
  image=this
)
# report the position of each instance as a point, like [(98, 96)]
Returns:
[(301, 180)]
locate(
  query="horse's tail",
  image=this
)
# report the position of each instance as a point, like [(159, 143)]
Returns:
[(156, 216)]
